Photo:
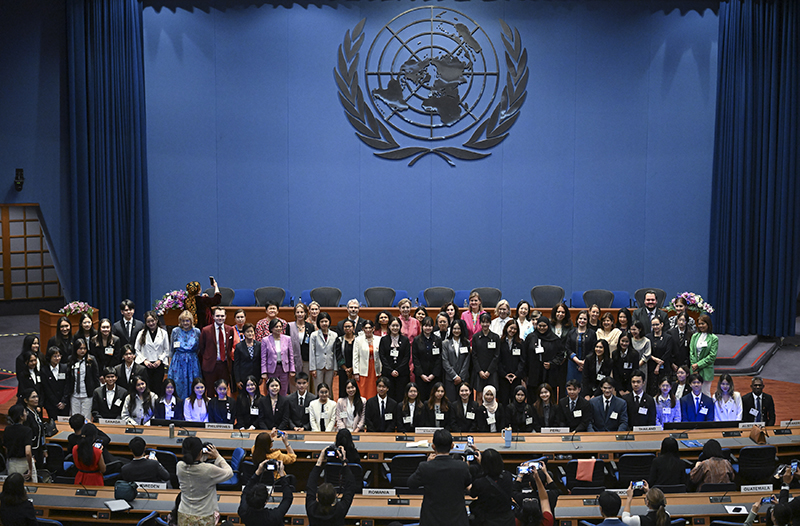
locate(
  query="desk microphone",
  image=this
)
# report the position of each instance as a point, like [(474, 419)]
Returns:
[(572, 438), (86, 492), (138, 487)]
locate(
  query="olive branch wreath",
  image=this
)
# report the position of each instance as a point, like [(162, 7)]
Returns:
[(489, 133)]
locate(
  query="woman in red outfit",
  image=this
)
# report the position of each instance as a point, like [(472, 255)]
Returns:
[(88, 458)]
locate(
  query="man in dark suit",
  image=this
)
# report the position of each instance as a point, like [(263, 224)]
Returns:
[(649, 311), (573, 410), (696, 406), (107, 399), (641, 406), (353, 306), (128, 369), (127, 328), (141, 468), (610, 504), (609, 413), (299, 402), (380, 410), (758, 406), (216, 342), (444, 480)]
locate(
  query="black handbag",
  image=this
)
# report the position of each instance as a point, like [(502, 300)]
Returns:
[(50, 428), (125, 490)]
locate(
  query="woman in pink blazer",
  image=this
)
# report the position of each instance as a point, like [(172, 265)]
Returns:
[(277, 355), (472, 316)]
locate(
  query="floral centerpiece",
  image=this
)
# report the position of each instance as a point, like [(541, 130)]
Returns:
[(174, 300), (76, 307), (694, 303)]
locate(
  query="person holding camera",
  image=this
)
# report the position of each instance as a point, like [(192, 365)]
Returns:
[(656, 504), (321, 506), (252, 506), (534, 511), (262, 449), (198, 481), (492, 491), (142, 468)]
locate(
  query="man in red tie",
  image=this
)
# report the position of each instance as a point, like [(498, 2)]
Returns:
[(216, 341)]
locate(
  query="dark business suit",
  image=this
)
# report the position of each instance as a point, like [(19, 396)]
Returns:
[(298, 415), (444, 480), (136, 370), (119, 331), (100, 407), (646, 403), (767, 409), (690, 414), (160, 409), (107, 360), (578, 420), (243, 365), (615, 420), (144, 470), (359, 325), (53, 390), (268, 419), (643, 316), (399, 363), (402, 422), (372, 415), (461, 421)]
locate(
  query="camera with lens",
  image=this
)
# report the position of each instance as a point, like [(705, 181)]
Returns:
[(206, 447), (331, 453), (271, 465)]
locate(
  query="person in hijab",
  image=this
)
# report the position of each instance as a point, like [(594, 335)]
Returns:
[(668, 469), (712, 468), (492, 416), (545, 356), (520, 412)]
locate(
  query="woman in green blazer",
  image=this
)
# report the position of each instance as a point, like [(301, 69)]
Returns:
[(703, 352)]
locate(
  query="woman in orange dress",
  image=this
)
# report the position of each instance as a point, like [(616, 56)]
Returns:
[(366, 368)]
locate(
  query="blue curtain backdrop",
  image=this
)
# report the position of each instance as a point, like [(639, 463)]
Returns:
[(110, 247), (753, 264)]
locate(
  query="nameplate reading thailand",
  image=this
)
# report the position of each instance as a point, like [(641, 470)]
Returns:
[(756, 488), (218, 426), (647, 428), (152, 485), (426, 430), (748, 425), (555, 430), (379, 492), (110, 421)]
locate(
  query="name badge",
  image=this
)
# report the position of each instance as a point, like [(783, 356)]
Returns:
[(463, 350), (388, 416), (528, 421), (754, 412), (176, 345), (117, 402), (539, 349), (492, 345), (490, 419), (394, 353), (439, 416), (109, 351), (406, 419), (627, 365), (515, 352), (305, 340), (435, 351), (470, 415), (37, 379), (61, 376), (168, 414), (254, 411), (600, 377), (703, 410), (667, 411), (577, 413), (614, 415), (642, 410)]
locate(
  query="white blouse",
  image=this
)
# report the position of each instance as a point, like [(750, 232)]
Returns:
[(730, 410)]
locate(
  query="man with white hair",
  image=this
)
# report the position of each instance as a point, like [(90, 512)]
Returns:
[(353, 306)]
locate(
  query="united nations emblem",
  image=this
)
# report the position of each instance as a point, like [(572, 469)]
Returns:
[(432, 74)]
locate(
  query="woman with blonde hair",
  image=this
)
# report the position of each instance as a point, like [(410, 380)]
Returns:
[(184, 342)]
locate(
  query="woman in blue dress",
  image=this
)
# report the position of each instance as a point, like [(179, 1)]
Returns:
[(184, 366)]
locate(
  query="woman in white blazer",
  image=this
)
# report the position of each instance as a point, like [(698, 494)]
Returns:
[(321, 354), (363, 373), (322, 411), (153, 351)]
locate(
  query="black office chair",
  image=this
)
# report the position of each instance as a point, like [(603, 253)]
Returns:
[(677, 522), (266, 294), (438, 296), (718, 488), (226, 292), (55, 459), (546, 296), (600, 297), (587, 490), (334, 475), (489, 295), (169, 460), (403, 466), (570, 471), (326, 296), (757, 464), (661, 296), (148, 520), (379, 296), (634, 466), (246, 470), (671, 488)]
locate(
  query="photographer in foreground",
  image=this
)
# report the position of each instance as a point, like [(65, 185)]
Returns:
[(492, 491), (252, 508), (534, 511), (198, 480), (321, 506)]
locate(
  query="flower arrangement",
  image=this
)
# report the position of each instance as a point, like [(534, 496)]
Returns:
[(172, 300), (76, 307), (694, 302)]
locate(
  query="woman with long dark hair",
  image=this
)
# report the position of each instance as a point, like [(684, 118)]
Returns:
[(344, 439), (350, 409), (63, 336), (560, 320), (409, 411), (262, 449), (88, 457), (15, 508), (493, 504), (221, 407), (106, 347), (29, 343), (247, 411), (152, 349), (395, 354), (579, 344), (668, 469), (626, 361), (703, 352), (713, 467), (343, 350), (727, 402), (30, 377), (437, 411), (597, 366), (195, 406), (83, 377), (170, 406), (85, 329), (34, 421), (668, 408), (545, 408), (140, 404), (465, 410)]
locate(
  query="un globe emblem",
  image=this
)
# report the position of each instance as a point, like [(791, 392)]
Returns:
[(432, 74)]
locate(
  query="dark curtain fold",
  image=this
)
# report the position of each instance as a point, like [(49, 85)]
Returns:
[(755, 223), (109, 230)]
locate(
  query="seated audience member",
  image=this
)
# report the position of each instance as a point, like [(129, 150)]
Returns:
[(17, 439), (712, 467), (545, 408), (668, 469), (299, 402), (656, 504), (220, 408), (597, 366), (263, 450), (465, 410), (610, 504), (344, 439), (778, 515), (378, 407), (574, 411), (322, 508), (727, 402), (322, 411), (350, 409), (491, 415), (273, 408), (535, 511), (246, 407), (758, 406), (520, 412), (128, 368), (786, 512), (609, 413), (696, 406), (142, 468), (680, 387), (140, 403), (170, 406), (492, 491), (253, 508), (408, 414), (108, 399), (436, 412), (668, 408), (195, 407), (641, 406), (15, 508)]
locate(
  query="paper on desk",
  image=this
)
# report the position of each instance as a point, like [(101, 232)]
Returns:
[(736, 510), (421, 443)]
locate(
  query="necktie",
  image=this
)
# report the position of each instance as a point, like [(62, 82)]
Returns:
[(758, 408), (697, 405), (302, 401), (78, 380), (221, 338), (383, 409), (608, 405), (572, 406), (128, 329), (637, 399), (652, 315), (322, 418)]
